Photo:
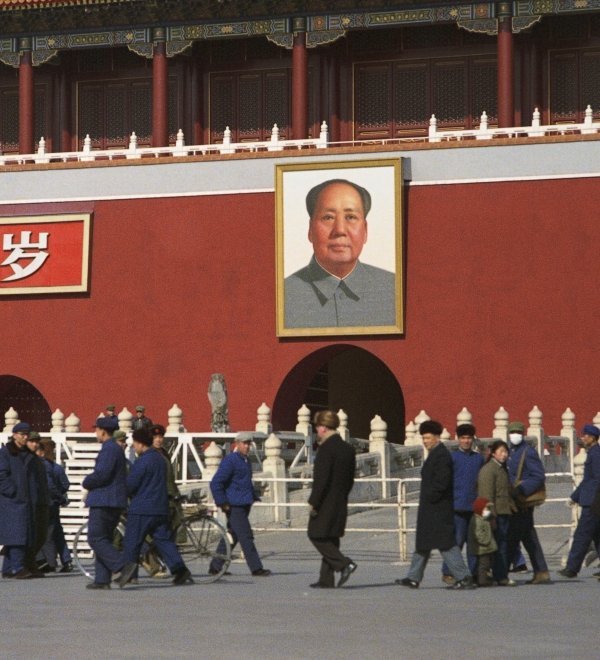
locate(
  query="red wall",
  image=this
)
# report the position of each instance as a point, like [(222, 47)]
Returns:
[(501, 296)]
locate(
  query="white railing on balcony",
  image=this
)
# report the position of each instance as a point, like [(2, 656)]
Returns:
[(133, 152), (180, 149)]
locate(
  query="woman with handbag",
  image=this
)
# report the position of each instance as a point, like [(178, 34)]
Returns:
[(527, 478)]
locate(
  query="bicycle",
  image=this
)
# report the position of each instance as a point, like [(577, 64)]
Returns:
[(198, 538)]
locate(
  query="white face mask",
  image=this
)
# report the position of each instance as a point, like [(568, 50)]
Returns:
[(486, 513), (515, 438)]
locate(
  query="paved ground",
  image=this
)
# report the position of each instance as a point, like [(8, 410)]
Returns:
[(280, 617)]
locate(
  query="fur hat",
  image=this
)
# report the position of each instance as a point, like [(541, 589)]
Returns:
[(431, 426)]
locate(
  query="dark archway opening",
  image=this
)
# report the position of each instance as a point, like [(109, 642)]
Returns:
[(347, 377), (28, 401)]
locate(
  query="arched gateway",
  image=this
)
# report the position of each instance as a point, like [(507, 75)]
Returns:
[(347, 377), (26, 400)]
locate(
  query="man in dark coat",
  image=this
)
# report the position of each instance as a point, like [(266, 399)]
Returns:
[(19, 501), (435, 519), (333, 477)]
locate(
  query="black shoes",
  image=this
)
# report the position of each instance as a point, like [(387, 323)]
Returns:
[(126, 572), (407, 582), (261, 572), (95, 585), (465, 583), (24, 574), (346, 573), (320, 585), (182, 576), (521, 568), (67, 568), (568, 573)]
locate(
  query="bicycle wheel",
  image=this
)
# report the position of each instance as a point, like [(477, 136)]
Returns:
[(200, 539), (83, 555)]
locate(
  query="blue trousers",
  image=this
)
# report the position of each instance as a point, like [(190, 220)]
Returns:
[(239, 527), (588, 530), (501, 561), (522, 530), (138, 527), (14, 559), (452, 557), (461, 531), (101, 528)]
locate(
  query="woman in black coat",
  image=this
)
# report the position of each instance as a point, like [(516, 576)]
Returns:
[(333, 477)]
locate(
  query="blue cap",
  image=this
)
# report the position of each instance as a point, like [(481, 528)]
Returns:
[(22, 427), (591, 429), (107, 423)]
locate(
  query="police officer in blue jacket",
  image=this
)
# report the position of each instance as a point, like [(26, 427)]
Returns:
[(107, 497), (233, 492), (521, 525), (148, 513), (588, 527)]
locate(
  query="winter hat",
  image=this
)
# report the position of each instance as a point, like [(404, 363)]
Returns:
[(479, 505)]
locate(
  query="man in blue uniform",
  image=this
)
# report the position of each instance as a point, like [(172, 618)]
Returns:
[(233, 492), (588, 527), (107, 497), (148, 513)]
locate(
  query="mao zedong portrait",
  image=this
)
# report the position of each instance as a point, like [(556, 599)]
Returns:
[(336, 288)]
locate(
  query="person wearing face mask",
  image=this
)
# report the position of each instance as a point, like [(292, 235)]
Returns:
[(587, 496), (481, 542), (532, 478)]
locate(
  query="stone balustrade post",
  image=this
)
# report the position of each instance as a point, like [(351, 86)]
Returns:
[(274, 140), (535, 429), (343, 427), (304, 426), (412, 437), (323, 136), (226, 148), (180, 149), (58, 421), (11, 417), (482, 131), (72, 423), (464, 417), (433, 137), (132, 151), (87, 150), (535, 124), (378, 444), (275, 466), (501, 424), (213, 455), (568, 431), (125, 418), (263, 419), (588, 121), (446, 435), (175, 420)]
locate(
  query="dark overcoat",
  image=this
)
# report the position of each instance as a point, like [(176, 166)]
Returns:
[(20, 497), (333, 477), (435, 519)]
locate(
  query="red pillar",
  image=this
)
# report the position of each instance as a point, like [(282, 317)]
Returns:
[(64, 111), (26, 102), (299, 85), (506, 100), (333, 88), (160, 114)]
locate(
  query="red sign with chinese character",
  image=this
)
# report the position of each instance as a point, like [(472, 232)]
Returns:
[(44, 254)]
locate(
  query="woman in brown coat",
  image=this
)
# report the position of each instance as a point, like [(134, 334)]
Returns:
[(493, 484)]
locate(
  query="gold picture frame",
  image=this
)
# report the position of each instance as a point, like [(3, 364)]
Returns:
[(347, 279)]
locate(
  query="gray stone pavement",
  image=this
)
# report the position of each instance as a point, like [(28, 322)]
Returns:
[(281, 617)]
